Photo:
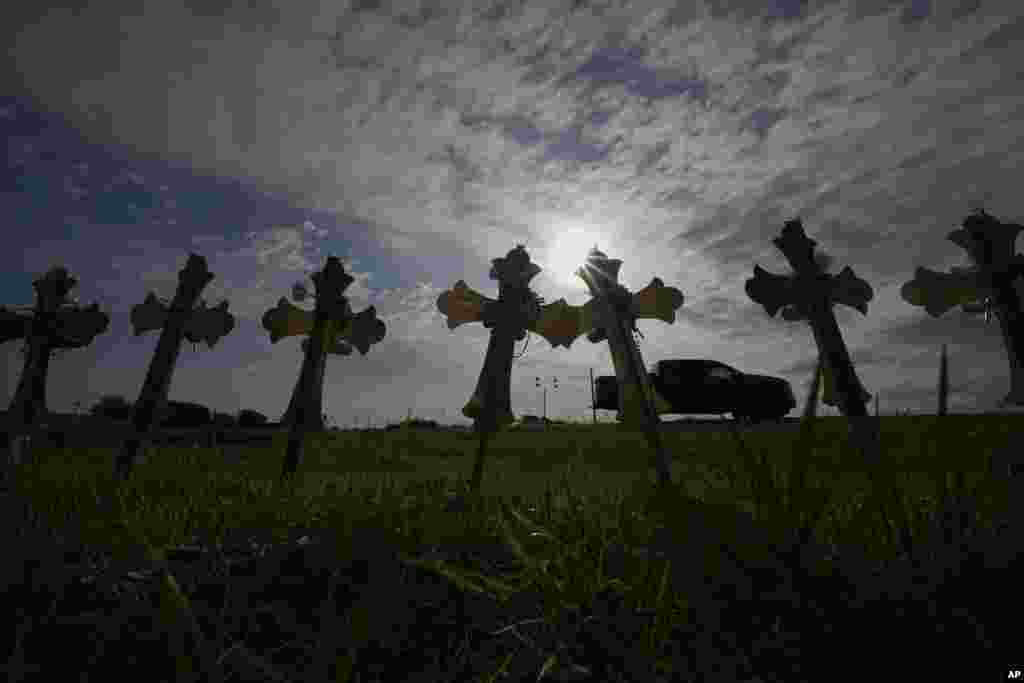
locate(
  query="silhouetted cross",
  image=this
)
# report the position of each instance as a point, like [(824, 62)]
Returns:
[(179, 320), (812, 293), (989, 285), (331, 328), (516, 310), (53, 324), (611, 315)]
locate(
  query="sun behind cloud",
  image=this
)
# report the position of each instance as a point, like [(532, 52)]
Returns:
[(566, 251)]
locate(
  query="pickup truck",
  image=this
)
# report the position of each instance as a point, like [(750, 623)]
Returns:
[(693, 387)]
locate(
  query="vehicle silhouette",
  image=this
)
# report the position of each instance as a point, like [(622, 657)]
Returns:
[(698, 386)]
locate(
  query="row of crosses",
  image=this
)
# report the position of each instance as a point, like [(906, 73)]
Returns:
[(53, 324), (609, 316), (807, 294)]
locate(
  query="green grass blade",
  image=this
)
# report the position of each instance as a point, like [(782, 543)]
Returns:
[(801, 453)]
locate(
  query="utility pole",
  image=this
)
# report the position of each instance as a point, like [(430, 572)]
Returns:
[(593, 397), (545, 395)]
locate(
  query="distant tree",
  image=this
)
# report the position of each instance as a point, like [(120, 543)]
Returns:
[(251, 418), (414, 423), (185, 415), (223, 419), (113, 407)]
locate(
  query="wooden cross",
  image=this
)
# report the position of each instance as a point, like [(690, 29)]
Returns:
[(811, 293), (829, 396), (331, 328), (53, 324), (516, 310), (989, 285), (179, 320), (611, 315)]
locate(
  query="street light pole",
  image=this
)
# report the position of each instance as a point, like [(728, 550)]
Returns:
[(593, 397), (545, 396)]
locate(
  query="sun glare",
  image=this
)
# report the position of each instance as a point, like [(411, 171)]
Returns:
[(567, 251)]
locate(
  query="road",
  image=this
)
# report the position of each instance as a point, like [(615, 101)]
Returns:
[(723, 425)]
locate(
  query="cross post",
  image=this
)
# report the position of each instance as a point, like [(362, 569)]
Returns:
[(330, 327), (182, 319), (340, 348)]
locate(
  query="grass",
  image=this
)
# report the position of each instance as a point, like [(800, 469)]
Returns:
[(770, 562)]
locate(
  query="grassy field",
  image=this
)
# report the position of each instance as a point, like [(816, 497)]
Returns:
[(568, 567)]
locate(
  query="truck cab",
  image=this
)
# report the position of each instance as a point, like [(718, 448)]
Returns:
[(704, 386)]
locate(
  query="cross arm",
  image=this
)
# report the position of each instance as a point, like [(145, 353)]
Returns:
[(561, 323), (77, 328), (209, 324), (12, 325), (781, 291), (938, 292), (462, 304), (989, 242), (657, 301), (770, 290), (363, 330), (654, 302), (852, 291), (149, 315), (286, 320), (360, 331)]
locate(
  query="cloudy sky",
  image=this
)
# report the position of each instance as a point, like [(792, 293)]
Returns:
[(419, 140)]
